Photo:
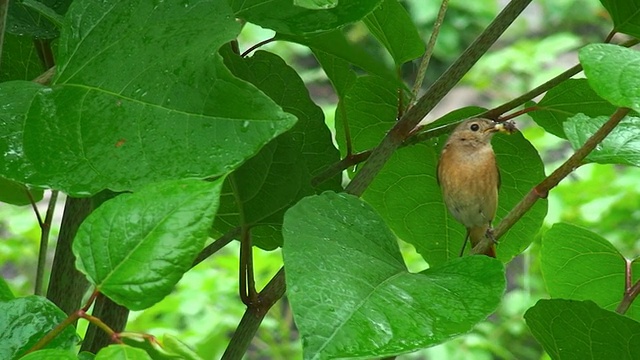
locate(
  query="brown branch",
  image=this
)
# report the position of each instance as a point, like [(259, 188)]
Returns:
[(45, 229), (417, 135), (434, 94), (630, 292), (512, 104), (542, 190), (340, 166), (67, 285)]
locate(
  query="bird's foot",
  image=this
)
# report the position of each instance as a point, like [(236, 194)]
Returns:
[(491, 235)]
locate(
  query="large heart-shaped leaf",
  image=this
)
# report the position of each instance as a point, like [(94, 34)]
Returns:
[(580, 265), (121, 352), (625, 15), (352, 295), (621, 146), (284, 17), (392, 26), (50, 354), (258, 193), (122, 113), (577, 330), (24, 321), (571, 97), (613, 73), (135, 247)]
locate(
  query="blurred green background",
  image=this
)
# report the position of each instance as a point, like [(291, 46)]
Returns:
[(205, 308)]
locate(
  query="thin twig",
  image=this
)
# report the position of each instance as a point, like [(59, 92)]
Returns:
[(397, 135), (518, 113), (216, 245), (551, 181), (610, 36), (345, 126), (261, 43), (512, 104), (245, 258), (4, 9), (72, 318), (46, 77), (45, 229), (338, 167), (34, 206), (424, 64), (99, 323)]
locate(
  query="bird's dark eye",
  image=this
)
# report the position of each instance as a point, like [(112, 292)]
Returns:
[(475, 127)]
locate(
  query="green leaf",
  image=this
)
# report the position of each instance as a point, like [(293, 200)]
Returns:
[(335, 43), (5, 291), (625, 15), (149, 346), (46, 12), (85, 355), (407, 196), (621, 146), (352, 295), (132, 115), (613, 73), (284, 17), (580, 265), (134, 248), (316, 4), (566, 100), (15, 193), (24, 321), (16, 100), (338, 71), (121, 352), (174, 345), (258, 193), (24, 20), (50, 354), (19, 59), (371, 105), (580, 330), (393, 27)]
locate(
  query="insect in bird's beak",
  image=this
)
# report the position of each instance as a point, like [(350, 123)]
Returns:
[(508, 127)]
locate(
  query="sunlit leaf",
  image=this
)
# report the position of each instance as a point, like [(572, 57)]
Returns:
[(353, 297)]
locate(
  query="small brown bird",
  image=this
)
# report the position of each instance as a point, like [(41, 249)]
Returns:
[(469, 177)]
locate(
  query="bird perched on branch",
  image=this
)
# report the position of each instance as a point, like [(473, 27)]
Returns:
[(469, 177)]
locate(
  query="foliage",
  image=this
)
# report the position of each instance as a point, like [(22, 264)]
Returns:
[(152, 113)]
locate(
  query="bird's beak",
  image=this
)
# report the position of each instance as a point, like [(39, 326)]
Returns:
[(508, 127)]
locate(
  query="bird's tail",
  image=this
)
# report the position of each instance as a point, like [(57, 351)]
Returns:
[(477, 234)]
